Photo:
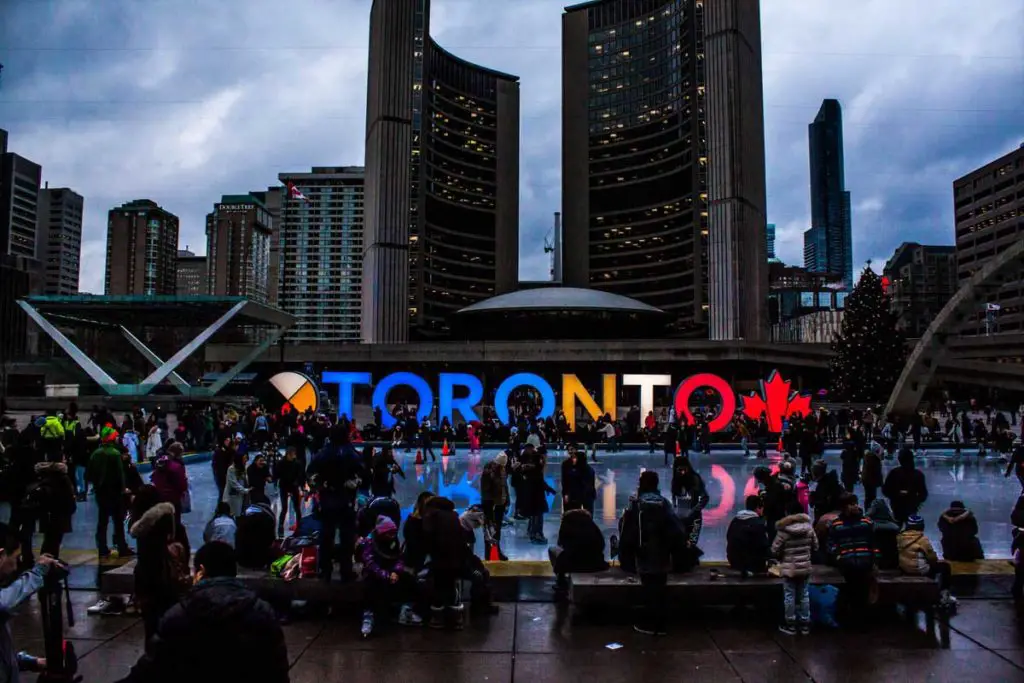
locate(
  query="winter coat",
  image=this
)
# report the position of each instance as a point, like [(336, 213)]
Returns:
[(578, 482), (106, 473), (795, 540), (289, 474), (153, 443), (582, 544), (218, 616), (886, 531), (235, 490), (917, 555), (534, 488), (825, 496), (747, 542), (689, 495), (380, 559), (131, 443), (442, 535), (56, 493), (649, 530), (494, 485), (414, 552), (161, 569), (170, 480), (906, 489), (17, 592), (960, 541), (871, 470), (851, 542), (779, 497)]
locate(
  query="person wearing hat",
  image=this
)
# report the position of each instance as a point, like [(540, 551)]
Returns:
[(384, 577), (494, 500), (918, 558), (106, 473), (959, 529)]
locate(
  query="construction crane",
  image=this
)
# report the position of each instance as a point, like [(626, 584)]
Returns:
[(553, 246)]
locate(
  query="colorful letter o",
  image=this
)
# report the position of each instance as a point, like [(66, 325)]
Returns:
[(691, 384)]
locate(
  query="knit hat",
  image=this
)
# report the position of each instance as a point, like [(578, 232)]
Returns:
[(501, 459), (957, 505), (175, 449), (108, 434), (915, 523), (385, 525)]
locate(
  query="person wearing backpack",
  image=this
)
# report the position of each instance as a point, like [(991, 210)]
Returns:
[(50, 501), (649, 530)]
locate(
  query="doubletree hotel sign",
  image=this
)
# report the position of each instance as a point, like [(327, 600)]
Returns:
[(463, 392)]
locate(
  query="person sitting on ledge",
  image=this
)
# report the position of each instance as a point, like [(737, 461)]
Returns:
[(580, 548), (959, 530), (918, 558), (747, 547), (886, 533), (384, 577)]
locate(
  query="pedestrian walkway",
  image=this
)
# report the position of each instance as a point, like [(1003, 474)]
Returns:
[(531, 642)]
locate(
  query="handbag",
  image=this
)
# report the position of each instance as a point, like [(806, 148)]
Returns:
[(186, 499)]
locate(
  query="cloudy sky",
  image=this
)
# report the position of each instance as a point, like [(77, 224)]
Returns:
[(181, 101)]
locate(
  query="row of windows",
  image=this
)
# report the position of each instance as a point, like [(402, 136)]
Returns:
[(608, 19)]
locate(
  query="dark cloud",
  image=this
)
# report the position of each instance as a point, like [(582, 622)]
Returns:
[(184, 100)]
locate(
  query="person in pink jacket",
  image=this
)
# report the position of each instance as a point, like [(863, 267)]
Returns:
[(803, 494), (474, 439), (169, 477)]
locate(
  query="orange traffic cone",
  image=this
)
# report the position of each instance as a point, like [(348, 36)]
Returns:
[(419, 457), (494, 555), (444, 447)]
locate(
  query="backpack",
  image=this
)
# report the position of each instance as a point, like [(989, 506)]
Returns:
[(652, 541)]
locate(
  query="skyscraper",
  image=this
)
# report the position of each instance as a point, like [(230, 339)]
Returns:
[(271, 199), (989, 209), (635, 140), (770, 241), (19, 199), (442, 179), (192, 274), (59, 227), (238, 248), (142, 250), (737, 264), (828, 245), (321, 248)]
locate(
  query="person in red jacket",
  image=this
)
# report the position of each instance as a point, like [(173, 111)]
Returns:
[(169, 478)]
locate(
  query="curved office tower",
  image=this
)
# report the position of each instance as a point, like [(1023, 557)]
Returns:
[(638, 181), (634, 195), (442, 180)]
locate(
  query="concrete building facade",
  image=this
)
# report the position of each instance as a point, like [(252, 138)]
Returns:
[(238, 235), (989, 209), (442, 179), (142, 250), (191, 274), (20, 181), (922, 279), (59, 230), (636, 83), (321, 249)]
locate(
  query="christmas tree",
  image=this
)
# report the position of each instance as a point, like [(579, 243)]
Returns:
[(869, 351)]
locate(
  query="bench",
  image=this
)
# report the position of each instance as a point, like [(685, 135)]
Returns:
[(121, 581), (615, 587)]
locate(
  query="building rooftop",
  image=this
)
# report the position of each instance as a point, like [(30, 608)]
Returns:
[(560, 298)]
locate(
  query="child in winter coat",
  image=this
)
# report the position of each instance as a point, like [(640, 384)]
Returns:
[(918, 557), (385, 578), (795, 540)]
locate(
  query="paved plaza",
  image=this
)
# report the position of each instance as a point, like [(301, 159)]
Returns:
[(529, 642)]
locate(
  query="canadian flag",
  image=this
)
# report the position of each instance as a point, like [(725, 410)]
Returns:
[(295, 193)]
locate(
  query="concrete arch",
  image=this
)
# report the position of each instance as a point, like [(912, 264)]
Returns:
[(934, 343)]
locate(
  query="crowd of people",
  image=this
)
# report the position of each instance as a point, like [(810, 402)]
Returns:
[(340, 491)]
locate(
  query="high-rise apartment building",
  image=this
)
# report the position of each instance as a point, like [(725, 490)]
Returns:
[(922, 279), (191, 274), (142, 250), (59, 229), (442, 179), (635, 159), (770, 242), (989, 210), (321, 250), (271, 199), (19, 200), (828, 245), (238, 236)]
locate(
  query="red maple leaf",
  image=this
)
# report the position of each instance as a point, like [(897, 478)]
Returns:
[(776, 402)]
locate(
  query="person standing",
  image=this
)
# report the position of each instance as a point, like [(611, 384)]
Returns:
[(494, 500), (852, 545), (237, 486), (905, 487), (106, 472), (649, 530), (871, 473), (426, 440), (794, 543), (336, 471), (290, 478)]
